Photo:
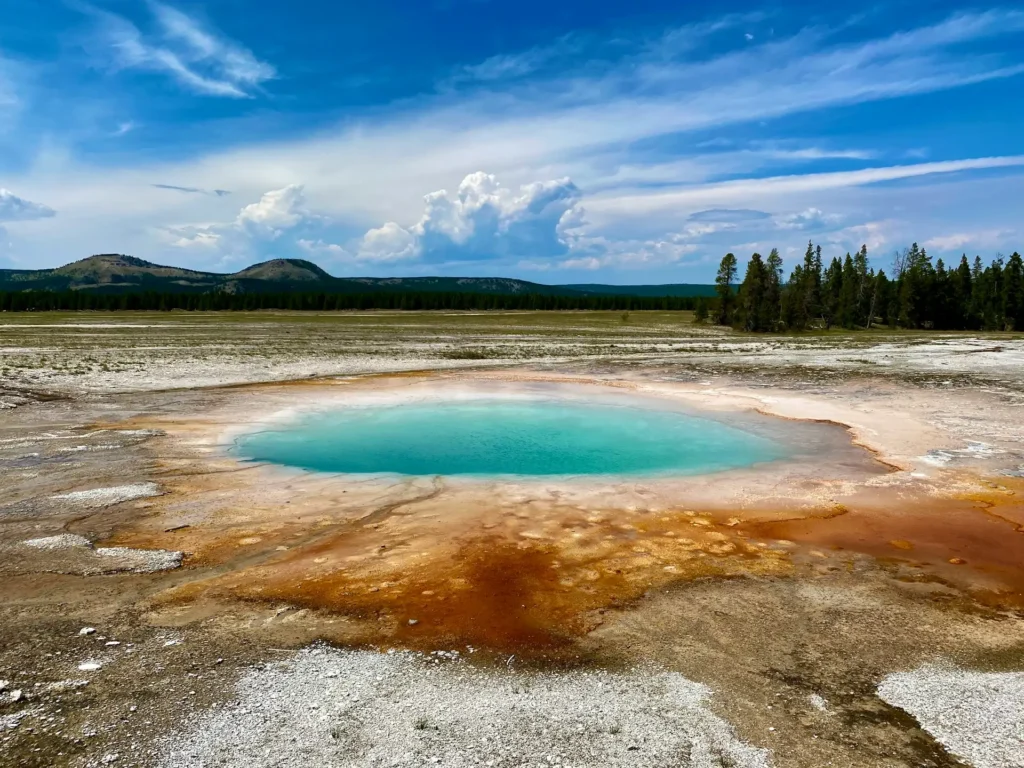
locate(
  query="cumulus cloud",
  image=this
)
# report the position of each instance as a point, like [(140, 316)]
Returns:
[(809, 219), (484, 220), (199, 58), (199, 238), (276, 212), (389, 242), (14, 208), (320, 248)]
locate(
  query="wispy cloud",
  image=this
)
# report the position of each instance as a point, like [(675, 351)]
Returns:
[(198, 57), (731, 192), (123, 128), (14, 208), (984, 238), (8, 94), (192, 190), (729, 215), (505, 66)]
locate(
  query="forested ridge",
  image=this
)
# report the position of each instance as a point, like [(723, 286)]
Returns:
[(844, 293), (48, 301), (848, 293)]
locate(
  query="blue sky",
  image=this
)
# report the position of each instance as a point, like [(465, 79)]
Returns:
[(558, 142)]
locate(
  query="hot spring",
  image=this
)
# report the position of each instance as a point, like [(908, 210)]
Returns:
[(497, 437)]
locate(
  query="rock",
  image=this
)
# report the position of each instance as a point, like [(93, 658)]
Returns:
[(96, 498), (89, 666), (4, 684), (86, 631), (140, 560), (15, 696), (413, 622), (62, 541)]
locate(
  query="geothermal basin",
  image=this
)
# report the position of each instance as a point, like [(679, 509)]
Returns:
[(502, 514)]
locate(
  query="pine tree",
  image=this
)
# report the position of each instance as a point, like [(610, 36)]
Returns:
[(773, 291), (793, 301), (941, 299), (848, 299), (750, 311), (700, 310), (882, 299), (812, 284), (831, 288), (865, 287), (960, 286), (1013, 293), (976, 310), (994, 299), (724, 281)]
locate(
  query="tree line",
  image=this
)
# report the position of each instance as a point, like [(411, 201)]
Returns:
[(49, 301), (849, 293)]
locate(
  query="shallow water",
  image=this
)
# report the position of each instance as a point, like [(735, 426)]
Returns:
[(495, 437)]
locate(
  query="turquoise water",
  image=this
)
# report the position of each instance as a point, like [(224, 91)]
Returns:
[(481, 438)]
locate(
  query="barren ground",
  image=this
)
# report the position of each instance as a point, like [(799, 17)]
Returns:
[(741, 620)]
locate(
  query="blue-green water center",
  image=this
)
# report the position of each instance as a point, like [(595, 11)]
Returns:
[(508, 437)]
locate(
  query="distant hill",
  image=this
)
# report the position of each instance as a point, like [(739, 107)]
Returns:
[(284, 270), (496, 285), (669, 289), (116, 273)]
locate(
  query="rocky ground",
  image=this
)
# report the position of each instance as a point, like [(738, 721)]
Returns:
[(851, 649)]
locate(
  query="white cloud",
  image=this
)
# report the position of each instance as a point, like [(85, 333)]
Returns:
[(483, 220), (809, 219), (200, 59), (876, 235), (813, 153), (257, 225), (276, 211), (745, 190), (729, 215), (191, 190), (629, 254), (192, 237), (14, 208), (389, 242), (320, 248), (985, 238), (504, 66)]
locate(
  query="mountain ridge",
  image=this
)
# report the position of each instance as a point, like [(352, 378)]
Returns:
[(119, 273)]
